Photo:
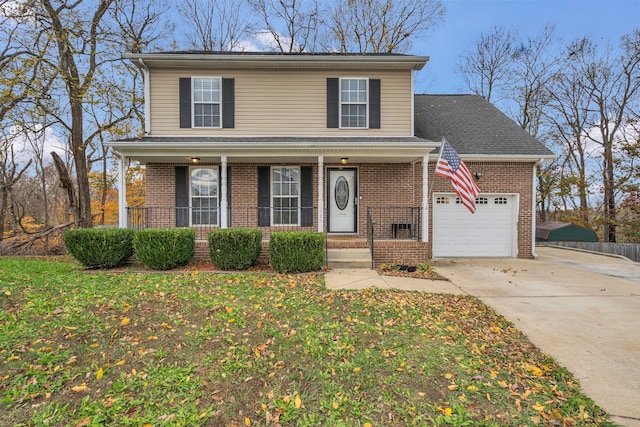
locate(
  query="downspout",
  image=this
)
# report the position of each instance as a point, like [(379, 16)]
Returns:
[(413, 113), (534, 204), (147, 97)]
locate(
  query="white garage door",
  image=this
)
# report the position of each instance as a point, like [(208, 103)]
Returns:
[(490, 232)]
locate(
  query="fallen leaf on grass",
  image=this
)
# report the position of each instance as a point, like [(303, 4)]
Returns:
[(80, 388), (84, 422), (538, 407), (99, 374)]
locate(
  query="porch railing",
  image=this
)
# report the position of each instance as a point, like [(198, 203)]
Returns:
[(204, 220), (394, 222), (383, 222)]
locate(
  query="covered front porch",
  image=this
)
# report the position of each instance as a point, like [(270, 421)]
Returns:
[(361, 192)]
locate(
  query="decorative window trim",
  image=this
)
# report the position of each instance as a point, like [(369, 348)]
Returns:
[(442, 200), (343, 103), (501, 201), (482, 201)]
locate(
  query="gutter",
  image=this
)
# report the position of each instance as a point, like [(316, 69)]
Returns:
[(533, 206), (147, 96), (281, 60)]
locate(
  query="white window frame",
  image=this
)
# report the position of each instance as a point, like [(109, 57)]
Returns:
[(344, 103), (194, 102), (274, 196), (192, 197)]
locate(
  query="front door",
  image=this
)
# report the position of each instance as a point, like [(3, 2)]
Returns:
[(342, 195)]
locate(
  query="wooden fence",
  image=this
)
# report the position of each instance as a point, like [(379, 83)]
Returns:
[(628, 250)]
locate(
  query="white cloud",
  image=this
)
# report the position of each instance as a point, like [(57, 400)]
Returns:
[(264, 40), (44, 140)]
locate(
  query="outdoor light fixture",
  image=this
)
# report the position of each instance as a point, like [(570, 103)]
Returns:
[(195, 160), (344, 160), (477, 175)]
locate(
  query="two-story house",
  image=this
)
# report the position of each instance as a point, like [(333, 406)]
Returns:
[(334, 143)]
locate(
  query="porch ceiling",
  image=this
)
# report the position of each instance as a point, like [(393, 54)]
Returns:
[(294, 150)]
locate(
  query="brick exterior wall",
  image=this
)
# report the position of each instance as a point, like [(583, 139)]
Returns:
[(500, 177), (379, 184)]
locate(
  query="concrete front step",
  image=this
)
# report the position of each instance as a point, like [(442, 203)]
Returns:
[(349, 258)]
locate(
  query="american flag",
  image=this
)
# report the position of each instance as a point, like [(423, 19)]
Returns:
[(451, 167)]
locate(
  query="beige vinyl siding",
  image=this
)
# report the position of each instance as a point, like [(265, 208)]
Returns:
[(281, 103)]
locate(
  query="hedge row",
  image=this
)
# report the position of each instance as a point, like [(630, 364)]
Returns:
[(164, 249)]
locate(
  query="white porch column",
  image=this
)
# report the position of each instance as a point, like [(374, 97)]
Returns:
[(425, 199), (224, 203), (320, 194), (122, 192)]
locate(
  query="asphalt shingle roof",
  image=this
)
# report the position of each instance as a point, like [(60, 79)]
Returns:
[(473, 126)]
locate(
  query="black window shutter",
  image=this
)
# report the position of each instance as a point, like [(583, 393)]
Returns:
[(264, 196), (333, 103), (185, 102), (306, 195), (374, 103), (182, 196), (228, 106)]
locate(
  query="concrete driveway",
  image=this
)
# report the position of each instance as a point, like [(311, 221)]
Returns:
[(583, 309)]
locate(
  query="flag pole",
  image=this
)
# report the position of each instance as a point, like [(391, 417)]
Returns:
[(427, 193)]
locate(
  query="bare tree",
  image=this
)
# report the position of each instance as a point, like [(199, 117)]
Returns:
[(613, 81), (289, 25), (77, 60), (91, 94), (486, 67), (569, 118), (381, 26), (217, 25), (10, 173)]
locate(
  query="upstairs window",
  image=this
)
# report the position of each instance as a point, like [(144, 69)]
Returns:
[(353, 103), (206, 102)]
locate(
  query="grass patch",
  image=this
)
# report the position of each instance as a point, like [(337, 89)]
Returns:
[(259, 349)]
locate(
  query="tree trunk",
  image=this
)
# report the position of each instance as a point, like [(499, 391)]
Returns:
[(83, 218), (67, 184), (609, 197), (3, 211)]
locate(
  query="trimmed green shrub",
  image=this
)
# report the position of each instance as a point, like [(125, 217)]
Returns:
[(296, 251), (100, 247), (235, 248), (164, 249)]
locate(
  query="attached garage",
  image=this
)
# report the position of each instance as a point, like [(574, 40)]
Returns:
[(490, 232)]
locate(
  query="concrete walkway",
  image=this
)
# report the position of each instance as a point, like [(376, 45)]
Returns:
[(581, 308)]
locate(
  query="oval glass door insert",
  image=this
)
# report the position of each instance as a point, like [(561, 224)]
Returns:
[(341, 193)]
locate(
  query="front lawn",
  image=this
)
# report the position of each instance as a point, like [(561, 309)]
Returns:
[(88, 348)]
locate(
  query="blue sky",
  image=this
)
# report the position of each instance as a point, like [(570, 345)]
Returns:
[(604, 20)]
